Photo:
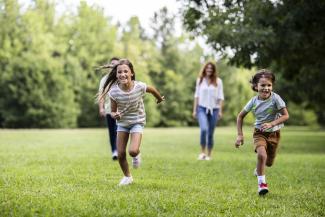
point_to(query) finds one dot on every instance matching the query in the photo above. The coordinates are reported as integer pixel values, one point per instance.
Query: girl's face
(208, 70)
(264, 88)
(124, 74)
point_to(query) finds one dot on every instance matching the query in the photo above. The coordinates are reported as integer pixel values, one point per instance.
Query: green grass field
(70, 173)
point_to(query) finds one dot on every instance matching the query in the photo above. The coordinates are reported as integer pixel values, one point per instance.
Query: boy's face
(264, 88)
(124, 74)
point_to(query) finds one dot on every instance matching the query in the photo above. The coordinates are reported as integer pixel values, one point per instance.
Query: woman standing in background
(207, 108)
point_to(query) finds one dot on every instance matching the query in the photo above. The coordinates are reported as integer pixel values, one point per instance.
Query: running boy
(270, 112)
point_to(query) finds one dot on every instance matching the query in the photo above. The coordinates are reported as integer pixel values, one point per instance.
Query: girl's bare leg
(134, 148)
(122, 141)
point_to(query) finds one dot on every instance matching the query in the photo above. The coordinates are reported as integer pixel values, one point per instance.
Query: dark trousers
(111, 125)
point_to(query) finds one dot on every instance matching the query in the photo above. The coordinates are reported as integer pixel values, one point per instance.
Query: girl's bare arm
(114, 113)
(155, 93)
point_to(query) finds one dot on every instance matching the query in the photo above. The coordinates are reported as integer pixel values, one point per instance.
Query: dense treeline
(48, 75)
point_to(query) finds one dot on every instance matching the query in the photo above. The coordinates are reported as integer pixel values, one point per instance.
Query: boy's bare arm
(240, 135)
(283, 118)
(155, 93)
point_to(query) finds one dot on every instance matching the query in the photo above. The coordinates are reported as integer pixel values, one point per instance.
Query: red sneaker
(263, 189)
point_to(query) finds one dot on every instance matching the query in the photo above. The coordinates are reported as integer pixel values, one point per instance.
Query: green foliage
(179, 66)
(37, 95)
(70, 173)
(138, 50)
(237, 91)
(48, 61)
(300, 115)
(286, 36)
(34, 90)
(89, 42)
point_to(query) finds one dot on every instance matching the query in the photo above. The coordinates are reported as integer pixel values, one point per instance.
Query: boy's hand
(161, 99)
(239, 141)
(266, 126)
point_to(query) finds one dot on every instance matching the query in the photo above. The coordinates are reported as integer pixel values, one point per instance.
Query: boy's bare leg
(261, 160)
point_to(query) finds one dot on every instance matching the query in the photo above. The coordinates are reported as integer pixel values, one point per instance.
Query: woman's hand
(194, 114)
(102, 112)
(220, 114)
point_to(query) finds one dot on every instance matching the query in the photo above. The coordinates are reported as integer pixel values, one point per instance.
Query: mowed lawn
(69, 172)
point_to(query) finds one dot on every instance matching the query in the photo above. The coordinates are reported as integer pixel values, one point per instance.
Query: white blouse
(209, 96)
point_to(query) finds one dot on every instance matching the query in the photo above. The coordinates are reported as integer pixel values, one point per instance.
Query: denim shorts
(135, 128)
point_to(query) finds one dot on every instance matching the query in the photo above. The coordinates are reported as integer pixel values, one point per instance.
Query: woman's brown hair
(213, 77)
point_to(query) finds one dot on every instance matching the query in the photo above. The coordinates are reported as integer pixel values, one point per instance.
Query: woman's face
(124, 74)
(208, 70)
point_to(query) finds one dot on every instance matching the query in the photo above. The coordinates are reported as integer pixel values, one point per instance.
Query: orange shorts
(269, 140)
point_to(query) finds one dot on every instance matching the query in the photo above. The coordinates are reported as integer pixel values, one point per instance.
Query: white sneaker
(114, 155)
(126, 180)
(255, 172)
(207, 158)
(201, 156)
(136, 161)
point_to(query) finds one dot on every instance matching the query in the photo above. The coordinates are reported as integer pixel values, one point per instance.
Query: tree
(286, 36)
(89, 41)
(136, 47)
(34, 91)
(178, 63)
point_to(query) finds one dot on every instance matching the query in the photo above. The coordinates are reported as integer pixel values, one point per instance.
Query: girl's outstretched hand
(161, 99)
(239, 141)
(116, 115)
